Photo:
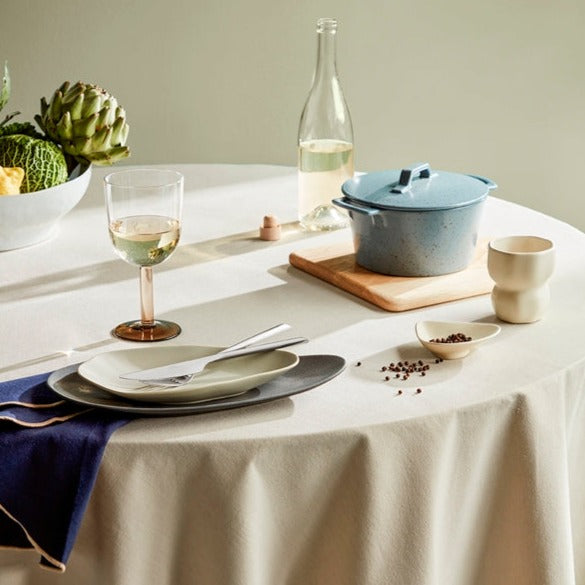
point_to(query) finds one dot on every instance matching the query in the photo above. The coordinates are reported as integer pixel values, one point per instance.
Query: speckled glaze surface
(428, 227)
(416, 243)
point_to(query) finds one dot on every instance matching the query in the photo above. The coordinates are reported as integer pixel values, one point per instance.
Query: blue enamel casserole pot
(415, 221)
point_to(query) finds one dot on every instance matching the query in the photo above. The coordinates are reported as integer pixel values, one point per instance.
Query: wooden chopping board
(336, 265)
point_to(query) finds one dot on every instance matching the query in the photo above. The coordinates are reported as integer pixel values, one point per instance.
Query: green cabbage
(43, 162)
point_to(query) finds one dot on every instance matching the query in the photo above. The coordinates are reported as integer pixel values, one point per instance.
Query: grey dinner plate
(311, 371)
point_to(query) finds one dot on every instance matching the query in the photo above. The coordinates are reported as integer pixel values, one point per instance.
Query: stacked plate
(223, 384)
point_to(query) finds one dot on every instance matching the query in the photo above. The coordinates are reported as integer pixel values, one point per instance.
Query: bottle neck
(325, 114)
(326, 34)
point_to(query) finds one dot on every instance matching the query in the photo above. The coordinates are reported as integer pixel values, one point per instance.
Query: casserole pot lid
(417, 188)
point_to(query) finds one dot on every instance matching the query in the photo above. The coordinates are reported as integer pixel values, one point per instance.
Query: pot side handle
(490, 184)
(343, 202)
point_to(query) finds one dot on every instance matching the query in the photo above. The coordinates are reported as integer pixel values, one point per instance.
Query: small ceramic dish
(426, 331)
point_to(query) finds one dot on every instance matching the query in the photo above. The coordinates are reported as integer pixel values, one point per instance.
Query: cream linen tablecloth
(478, 480)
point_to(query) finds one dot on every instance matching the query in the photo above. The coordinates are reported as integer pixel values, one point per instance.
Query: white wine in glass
(144, 220)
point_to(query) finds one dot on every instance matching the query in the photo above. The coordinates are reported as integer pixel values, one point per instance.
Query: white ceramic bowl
(30, 218)
(479, 332)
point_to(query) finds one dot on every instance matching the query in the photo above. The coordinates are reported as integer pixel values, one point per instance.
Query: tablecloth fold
(47, 470)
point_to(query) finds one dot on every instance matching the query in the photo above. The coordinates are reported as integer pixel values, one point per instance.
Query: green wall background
(494, 88)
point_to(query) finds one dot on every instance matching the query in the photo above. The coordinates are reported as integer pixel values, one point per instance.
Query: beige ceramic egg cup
(521, 267)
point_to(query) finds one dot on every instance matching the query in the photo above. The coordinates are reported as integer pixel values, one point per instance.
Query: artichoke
(4, 97)
(14, 127)
(87, 122)
(5, 88)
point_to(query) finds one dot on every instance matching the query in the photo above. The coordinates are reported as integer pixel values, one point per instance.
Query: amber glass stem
(146, 296)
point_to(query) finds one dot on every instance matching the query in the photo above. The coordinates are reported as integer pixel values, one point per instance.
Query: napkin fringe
(44, 423)
(54, 563)
(31, 404)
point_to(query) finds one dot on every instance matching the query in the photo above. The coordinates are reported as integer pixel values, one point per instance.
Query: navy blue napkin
(50, 452)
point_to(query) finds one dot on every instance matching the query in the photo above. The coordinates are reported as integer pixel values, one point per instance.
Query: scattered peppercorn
(359, 364)
(404, 369)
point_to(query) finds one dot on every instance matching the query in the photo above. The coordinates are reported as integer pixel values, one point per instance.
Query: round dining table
(468, 475)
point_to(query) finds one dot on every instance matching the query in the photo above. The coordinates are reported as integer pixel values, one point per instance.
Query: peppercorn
(452, 338)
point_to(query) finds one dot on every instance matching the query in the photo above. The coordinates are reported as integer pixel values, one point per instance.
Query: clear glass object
(325, 140)
(144, 221)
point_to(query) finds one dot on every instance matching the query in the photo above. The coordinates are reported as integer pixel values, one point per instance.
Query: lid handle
(422, 170)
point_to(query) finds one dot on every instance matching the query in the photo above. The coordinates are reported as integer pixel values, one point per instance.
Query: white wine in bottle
(325, 140)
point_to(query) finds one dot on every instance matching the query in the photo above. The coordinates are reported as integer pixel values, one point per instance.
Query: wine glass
(144, 221)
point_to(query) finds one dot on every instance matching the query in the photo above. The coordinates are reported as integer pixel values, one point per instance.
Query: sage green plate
(218, 379)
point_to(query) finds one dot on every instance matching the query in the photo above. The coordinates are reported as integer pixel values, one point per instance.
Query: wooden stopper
(270, 229)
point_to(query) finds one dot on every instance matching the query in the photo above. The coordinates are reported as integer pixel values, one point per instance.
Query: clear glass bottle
(325, 140)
